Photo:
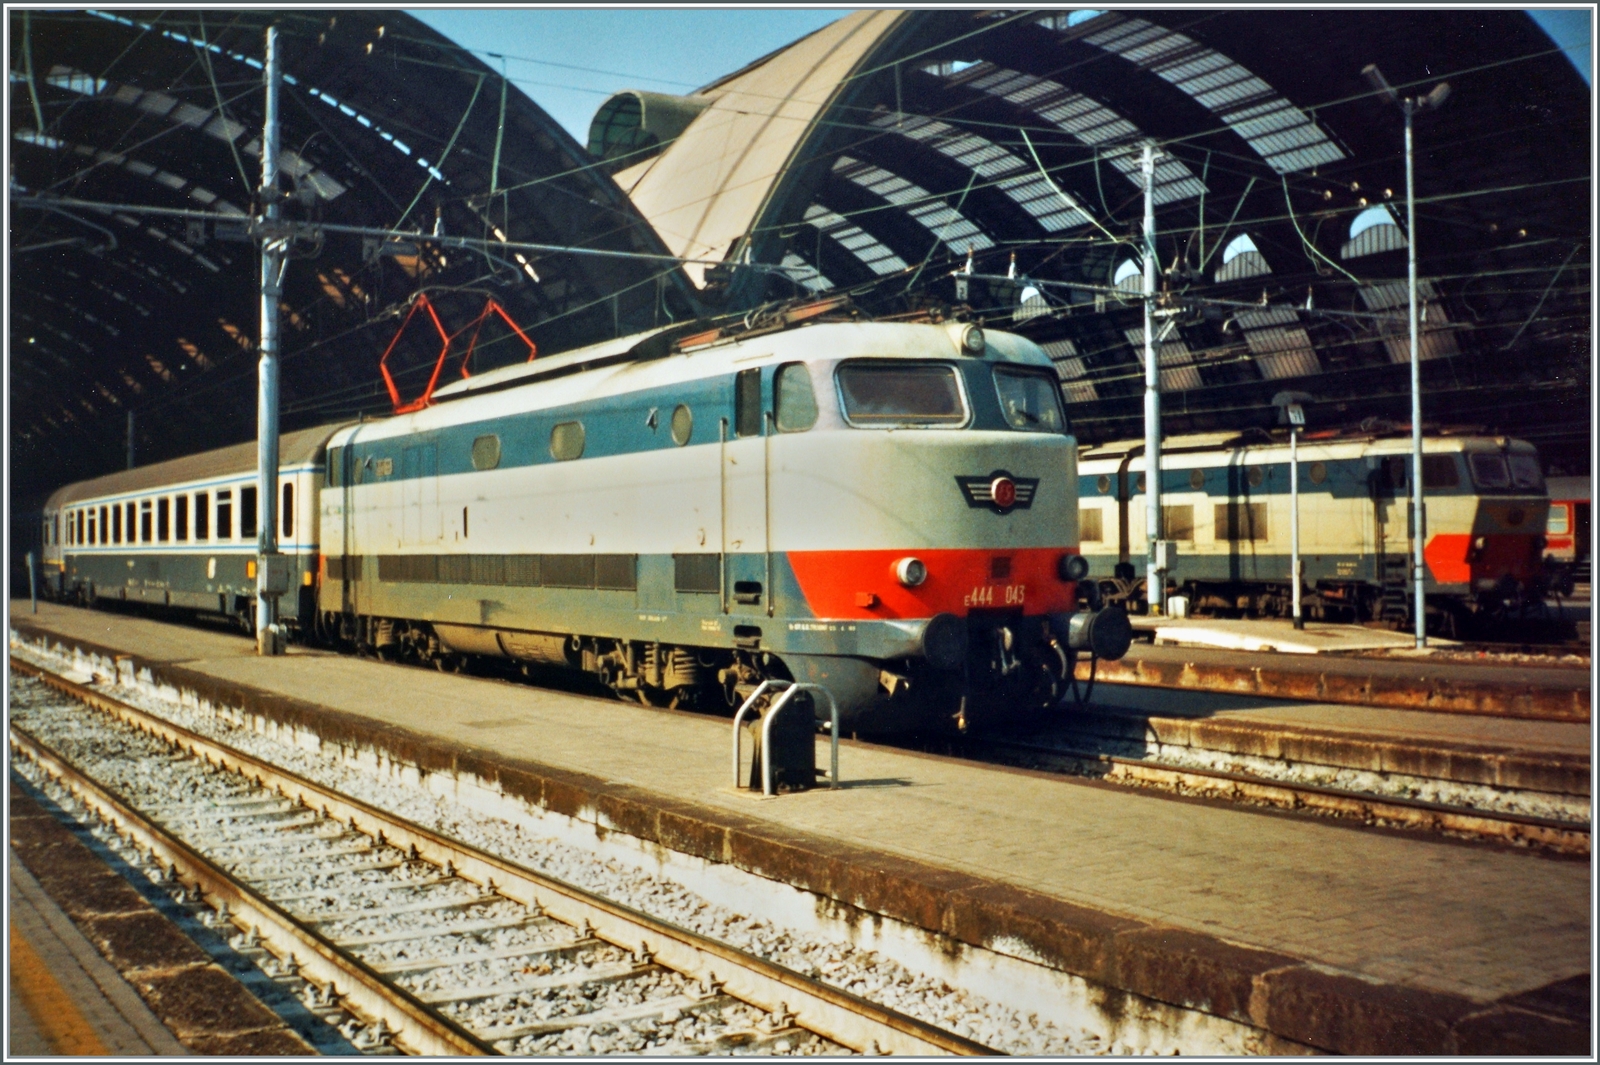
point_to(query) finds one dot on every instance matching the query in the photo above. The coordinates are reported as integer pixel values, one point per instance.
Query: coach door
(419, 494)
(747, 573)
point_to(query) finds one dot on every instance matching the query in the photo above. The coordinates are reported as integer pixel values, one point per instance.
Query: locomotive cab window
(1525, 472)
(1489, 470)
(796, 399)
(1031, 402)
(891, 394)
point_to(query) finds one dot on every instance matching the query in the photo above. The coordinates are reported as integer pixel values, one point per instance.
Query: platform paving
(1269, 634)
(1323, 934)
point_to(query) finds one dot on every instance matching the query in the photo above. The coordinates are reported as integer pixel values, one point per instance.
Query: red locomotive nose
(1003, 490)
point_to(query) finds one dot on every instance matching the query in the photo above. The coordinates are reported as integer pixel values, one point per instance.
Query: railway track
(1550, 834)
(410, 941)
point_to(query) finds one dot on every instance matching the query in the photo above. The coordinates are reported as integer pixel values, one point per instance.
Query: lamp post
(1413, 106)
(1291, 409)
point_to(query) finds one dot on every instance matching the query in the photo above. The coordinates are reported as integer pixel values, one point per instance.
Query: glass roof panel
(934, 214)
(863, 245)
(1018, 179)
(1249, 106)
(1090, 123)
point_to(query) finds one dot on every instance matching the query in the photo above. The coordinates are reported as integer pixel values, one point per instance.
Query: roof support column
(1156, 562)
(270, 574)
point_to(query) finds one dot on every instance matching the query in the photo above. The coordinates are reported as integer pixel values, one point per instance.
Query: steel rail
(418, 1027)
(1567, 837)
(828, 1011)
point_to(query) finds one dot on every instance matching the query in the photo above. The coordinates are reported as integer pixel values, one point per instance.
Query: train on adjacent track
(1225, 506)
(886, 508)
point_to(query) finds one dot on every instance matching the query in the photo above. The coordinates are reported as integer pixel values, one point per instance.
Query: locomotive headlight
(910, 572)
(1074, 567)
(968, 338)
(1477, 543)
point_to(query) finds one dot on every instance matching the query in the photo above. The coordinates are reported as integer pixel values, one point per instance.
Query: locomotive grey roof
(876, 153)
(304, 445)
(385, 123)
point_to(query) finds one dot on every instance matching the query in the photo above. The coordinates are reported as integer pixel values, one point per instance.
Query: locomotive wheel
(449, 663)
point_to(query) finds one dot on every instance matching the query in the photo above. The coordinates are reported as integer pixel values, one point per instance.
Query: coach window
(796, 399)
(202, 516)
(225, 514)
(94, 531)
(128, 511)
(288, 510)
(247, 512)
(116, 524)
(180, 518)
(1440, 471)
(78, 539)
(146, 523)
(164, 519)
(1558, 524)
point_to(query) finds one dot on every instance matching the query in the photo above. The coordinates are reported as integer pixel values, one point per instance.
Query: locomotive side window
(891, 394)
(1241, 521)
(1030, 401)
(225, 514)
(566, 441)
(180, 518)
(247, 511)
(1319, 472)
(287, 510)
(1489, 470)
(747, 403)
(164, 519)
(146, 525)
(796, 399)
(202, 516)
(1525, 472)
(1440, 471)
(1197, 479)
(486, 452)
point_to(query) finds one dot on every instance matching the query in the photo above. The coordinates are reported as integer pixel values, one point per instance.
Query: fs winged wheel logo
(999, 491)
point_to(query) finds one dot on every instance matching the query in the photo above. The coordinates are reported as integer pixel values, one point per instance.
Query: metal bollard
(33, 584)
(788, 689)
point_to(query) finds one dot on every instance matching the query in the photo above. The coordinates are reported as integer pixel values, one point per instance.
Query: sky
(568, 61)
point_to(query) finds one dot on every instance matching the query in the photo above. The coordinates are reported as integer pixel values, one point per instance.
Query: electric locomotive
(887, 509)
(1225, 505)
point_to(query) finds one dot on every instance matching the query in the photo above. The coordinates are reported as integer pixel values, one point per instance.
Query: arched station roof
(385, 124)
(878, 153)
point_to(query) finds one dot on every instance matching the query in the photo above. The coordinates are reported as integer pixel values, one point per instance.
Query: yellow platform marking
(60, 1021)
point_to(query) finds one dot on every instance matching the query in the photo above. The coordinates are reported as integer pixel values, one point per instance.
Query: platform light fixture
(1413, 106)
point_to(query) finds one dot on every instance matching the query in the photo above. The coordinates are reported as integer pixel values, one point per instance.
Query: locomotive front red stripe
(862, 584)
(1452, 559)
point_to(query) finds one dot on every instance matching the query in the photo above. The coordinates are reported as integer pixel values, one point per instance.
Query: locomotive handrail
(789, 689)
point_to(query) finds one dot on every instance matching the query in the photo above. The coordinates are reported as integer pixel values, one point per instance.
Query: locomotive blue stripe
(615, 425)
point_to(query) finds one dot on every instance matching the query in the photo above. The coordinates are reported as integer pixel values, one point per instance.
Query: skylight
(1090, 123)
(863, 245)
(1072, 370)
(1019, 180)
(935, 215)
(1282, 134)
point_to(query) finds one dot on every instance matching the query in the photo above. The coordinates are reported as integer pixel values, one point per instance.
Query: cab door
(746, 548)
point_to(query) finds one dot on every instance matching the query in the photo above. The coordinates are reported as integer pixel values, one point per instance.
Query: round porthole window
(1255, 476)
(1319, 472)
(1140, 487)
(1104, 484)
(486, 452)
(1197, 479)
(682, 424)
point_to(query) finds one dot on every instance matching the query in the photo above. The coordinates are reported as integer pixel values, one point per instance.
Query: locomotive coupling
(1104, 633)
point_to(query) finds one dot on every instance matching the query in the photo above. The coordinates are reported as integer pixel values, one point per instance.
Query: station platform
(1269, 634)
(1317, 934)
(98, 970)
(1402, 679)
